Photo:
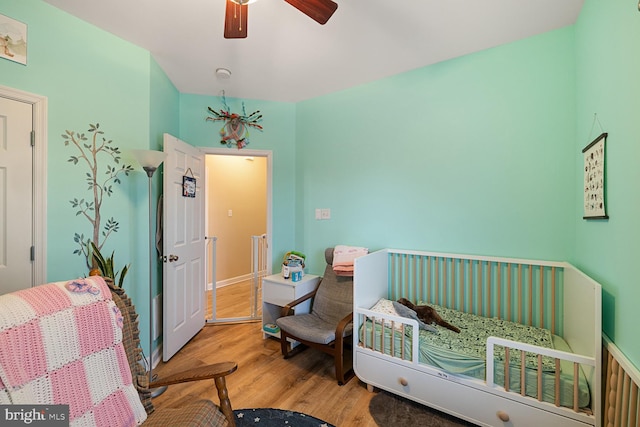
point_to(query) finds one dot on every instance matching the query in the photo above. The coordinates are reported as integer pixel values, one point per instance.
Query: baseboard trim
(230, 281)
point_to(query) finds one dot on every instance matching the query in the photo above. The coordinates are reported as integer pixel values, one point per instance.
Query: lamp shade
(149, 158)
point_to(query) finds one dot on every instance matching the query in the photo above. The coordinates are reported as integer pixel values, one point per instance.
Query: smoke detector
(223, 73)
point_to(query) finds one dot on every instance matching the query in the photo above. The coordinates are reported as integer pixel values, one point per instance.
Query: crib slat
(392, 275)
(416, 278)
(530, 295)
(421, 281)
(373, 330)
(479, 289)
(499, 286)
(461, 295)
(405, 281)
(506, 368)
(576, 383)
(553, 300)
(541, 321)
(436, 295)
(382, 336)
(429, 279)
(509, 291)
(556, 392)
(540, 377)
(454, 284)
(519, 293)
(393, 336)
(402, 342)
(445, 281)
(523, 376)
(489, 305)
(470, 287)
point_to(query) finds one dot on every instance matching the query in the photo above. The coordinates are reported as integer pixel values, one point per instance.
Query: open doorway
(237, 218)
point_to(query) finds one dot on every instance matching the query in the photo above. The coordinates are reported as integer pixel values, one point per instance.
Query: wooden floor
(305, 383)
(234, 301)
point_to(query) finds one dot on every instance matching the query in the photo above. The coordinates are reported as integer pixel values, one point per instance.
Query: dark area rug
(276, 418)
(390, 410)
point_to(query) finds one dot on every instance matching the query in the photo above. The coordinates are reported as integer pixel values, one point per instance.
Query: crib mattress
(451, 352)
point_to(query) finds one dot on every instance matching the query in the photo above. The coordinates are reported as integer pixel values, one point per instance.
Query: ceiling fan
(235, 22)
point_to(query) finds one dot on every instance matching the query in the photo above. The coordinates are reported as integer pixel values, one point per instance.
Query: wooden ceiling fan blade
(318, 10)
(235, 20)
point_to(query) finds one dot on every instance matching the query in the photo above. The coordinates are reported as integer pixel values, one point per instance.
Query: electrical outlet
(325, 214)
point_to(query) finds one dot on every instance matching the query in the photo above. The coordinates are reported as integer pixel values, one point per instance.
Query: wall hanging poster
(13, 40)
(188, 184)
(594, 200)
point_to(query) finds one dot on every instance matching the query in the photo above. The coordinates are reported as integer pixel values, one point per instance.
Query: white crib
(550, 295)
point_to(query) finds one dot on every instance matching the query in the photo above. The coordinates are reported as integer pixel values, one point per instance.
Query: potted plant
(106, 266)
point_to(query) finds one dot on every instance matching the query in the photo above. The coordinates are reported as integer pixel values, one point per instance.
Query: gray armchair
(329, 325)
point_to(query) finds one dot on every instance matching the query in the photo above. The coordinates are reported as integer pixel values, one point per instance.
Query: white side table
(278, 292)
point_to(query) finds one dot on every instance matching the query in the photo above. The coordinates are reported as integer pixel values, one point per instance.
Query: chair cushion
(334, 299)
(310, 327)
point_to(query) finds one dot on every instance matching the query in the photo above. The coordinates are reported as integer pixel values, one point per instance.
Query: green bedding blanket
(474, 331)
(465, 353)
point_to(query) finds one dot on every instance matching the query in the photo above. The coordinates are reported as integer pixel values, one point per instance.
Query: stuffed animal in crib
(428, 314)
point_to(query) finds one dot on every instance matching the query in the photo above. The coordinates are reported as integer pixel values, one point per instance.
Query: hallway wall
(236, 210)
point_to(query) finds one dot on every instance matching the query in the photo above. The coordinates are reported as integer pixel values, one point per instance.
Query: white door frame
(39, 104)
(252, 153)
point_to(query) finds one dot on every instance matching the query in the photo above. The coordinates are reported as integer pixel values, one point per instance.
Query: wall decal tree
(92, 148)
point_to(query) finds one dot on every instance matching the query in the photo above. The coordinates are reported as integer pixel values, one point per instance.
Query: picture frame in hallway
(594, 179)
(13, 40)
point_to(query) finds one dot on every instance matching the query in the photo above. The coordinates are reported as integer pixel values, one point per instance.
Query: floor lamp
(150, 160)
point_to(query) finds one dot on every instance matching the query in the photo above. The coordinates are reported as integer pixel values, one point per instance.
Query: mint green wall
(278, 136)
(608, 84)
(472, 155)
(90, 76)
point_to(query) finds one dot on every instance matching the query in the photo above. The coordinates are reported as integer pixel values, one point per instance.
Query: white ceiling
(289, 57)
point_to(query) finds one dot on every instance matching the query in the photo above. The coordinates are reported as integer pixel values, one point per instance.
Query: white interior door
(16, 195)
(183, 247)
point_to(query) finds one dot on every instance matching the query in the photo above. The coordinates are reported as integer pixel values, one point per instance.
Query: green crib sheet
(465, 353)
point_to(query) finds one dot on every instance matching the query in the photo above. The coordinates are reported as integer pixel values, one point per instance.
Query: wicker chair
(199, 413)
(60, 342)
(329, 325)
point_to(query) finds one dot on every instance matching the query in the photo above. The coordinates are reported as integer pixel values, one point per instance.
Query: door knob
(173, 258)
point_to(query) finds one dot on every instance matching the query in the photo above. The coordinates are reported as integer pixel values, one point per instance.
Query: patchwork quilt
(61, 343)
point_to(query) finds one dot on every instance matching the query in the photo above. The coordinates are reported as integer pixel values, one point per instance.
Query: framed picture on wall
(13, 40)
(594, 179)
